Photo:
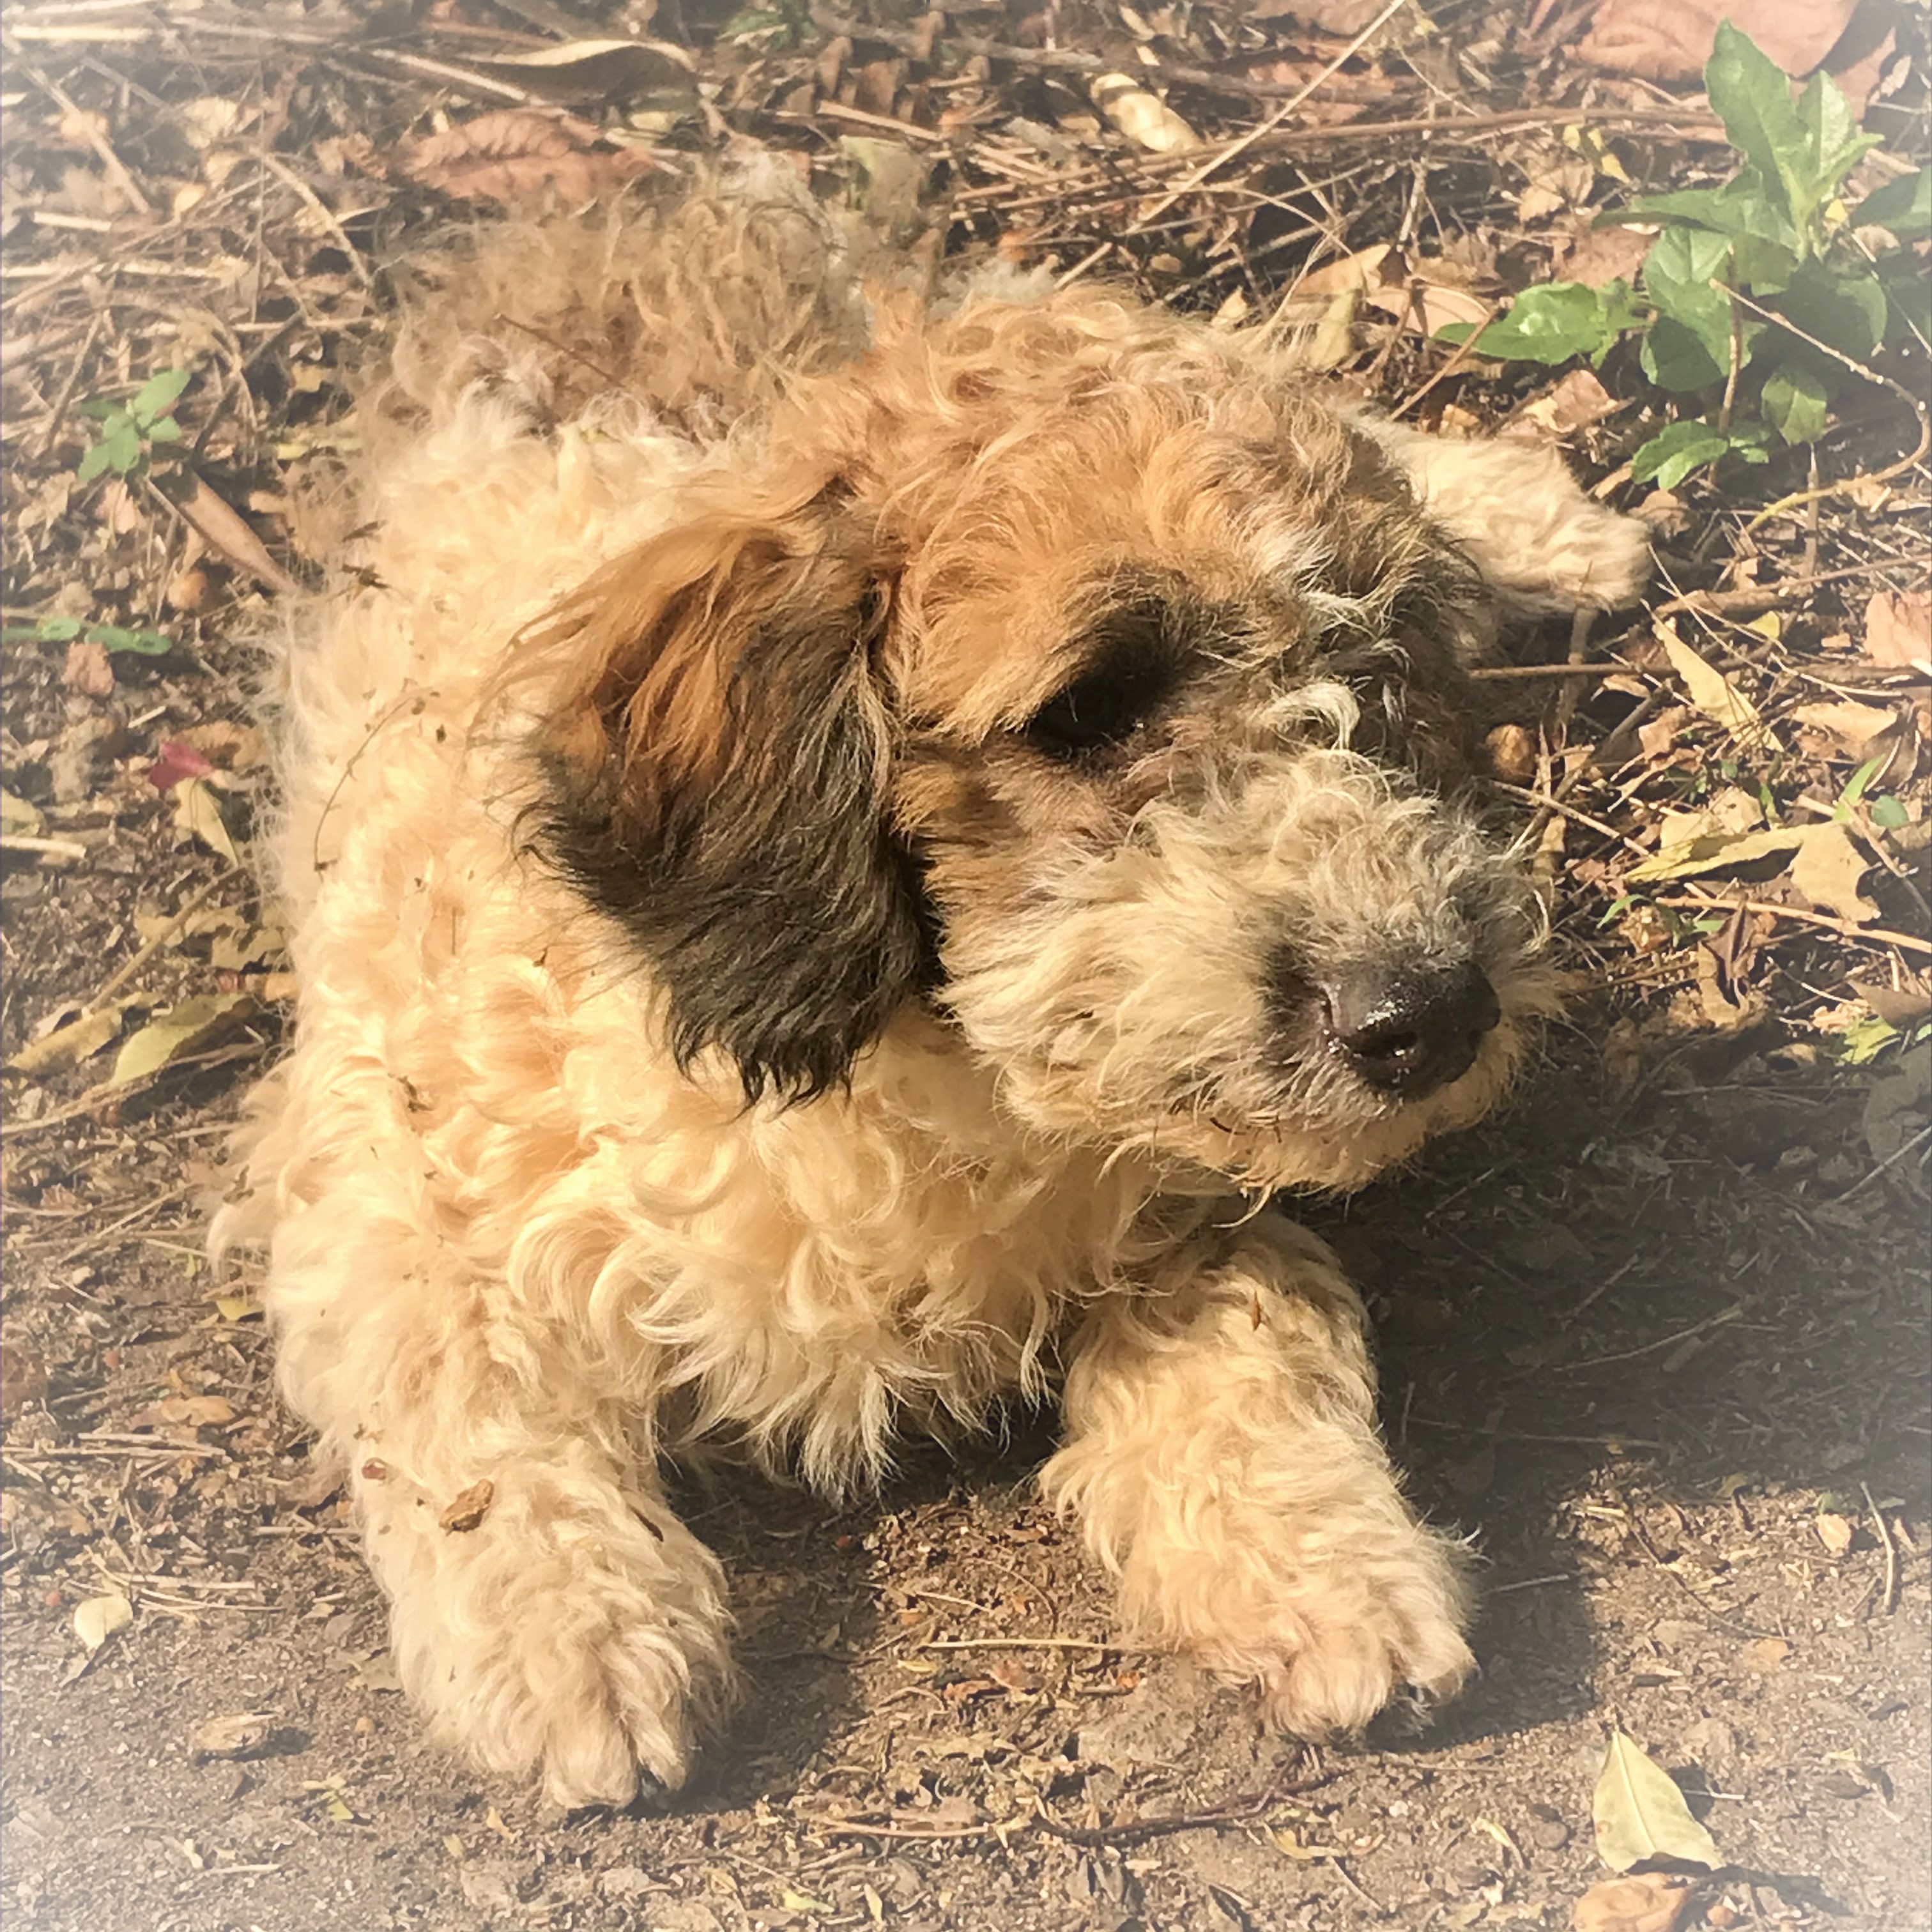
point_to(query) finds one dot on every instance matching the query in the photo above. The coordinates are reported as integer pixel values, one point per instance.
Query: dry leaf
(1835, 1532)
(178, 760)
(220, 525)
(17, 814)
(88, 669)
(185, 1412)
(1712, 692)
(469, 1508)
(69, 1045)
(1650, 1902)
(1360, 271)
(198, 815)
(95, 1621)
(1764, 1655)
(1639, 1812)
(600, 71)
(1671, 39)
(1898, 630)
(1828, 869)
(1575, 402)
(1144, 117)
(240, 1736)
(174, 1035)
(1718, 851)
(511, 156)
(1850, 726)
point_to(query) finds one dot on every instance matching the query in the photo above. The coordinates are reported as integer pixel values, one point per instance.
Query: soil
(1657, 1339)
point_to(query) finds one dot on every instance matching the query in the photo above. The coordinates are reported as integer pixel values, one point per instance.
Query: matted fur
(745, 992)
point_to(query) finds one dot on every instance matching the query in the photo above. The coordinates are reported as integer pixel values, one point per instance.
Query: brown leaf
(88, 669)
(511, 156)
(221, 526)
(1898, 630)
(1144, 117)
(185, 1412)
(469, 1508)
(1828, 869)
(1765, 1655)
(1835, 1531)
(1575, 402)
(1850, 726)
(1671, 39)
(1649, 1902)
(243, 1735)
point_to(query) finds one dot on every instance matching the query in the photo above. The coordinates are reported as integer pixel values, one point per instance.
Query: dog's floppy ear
(716, 774)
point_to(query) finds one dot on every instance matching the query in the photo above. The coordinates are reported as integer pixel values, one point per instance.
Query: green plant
(128, 428)
(1766, 292)
(109, 637)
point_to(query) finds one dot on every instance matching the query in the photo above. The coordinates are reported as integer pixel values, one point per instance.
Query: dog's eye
(1106, 704)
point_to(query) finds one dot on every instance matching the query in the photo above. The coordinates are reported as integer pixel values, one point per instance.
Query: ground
(1656, 1339)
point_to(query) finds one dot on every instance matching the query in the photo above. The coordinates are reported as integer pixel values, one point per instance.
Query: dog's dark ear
(715, 771)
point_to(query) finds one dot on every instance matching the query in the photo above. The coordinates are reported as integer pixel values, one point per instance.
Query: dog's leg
(1222, 1456)
(548, 1610)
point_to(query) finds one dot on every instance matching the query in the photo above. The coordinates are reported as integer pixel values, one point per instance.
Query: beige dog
(832, 880)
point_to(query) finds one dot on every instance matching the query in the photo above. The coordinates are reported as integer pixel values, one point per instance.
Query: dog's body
(820, 927)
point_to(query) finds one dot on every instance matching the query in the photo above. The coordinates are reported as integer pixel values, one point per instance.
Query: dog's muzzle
(1408, 1030)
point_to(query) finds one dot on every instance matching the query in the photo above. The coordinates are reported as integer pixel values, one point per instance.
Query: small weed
(71, 630)
(1762, 297)
(128, 430)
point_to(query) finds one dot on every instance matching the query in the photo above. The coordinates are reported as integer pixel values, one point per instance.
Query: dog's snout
(1408, 1031)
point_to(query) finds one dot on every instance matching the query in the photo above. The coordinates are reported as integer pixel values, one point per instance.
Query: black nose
(1409, 1031)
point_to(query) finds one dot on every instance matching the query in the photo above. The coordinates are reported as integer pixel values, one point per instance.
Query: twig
(50, 433)
(1875, 935)
(1463, 351)
(1912, 1146)
(187, 908)
(1786, 504)
(1889, 1601)
(1019, 1643)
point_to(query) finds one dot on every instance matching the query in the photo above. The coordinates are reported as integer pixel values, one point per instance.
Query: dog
(842, 849)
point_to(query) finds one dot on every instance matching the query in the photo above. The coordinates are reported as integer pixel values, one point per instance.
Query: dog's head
(1068, 668)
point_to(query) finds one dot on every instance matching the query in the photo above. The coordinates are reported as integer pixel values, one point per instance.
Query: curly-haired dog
(830, 881)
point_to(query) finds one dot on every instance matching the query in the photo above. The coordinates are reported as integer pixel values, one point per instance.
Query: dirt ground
(1657, 1338)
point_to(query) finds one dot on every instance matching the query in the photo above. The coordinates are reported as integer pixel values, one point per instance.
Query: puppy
(833, 879)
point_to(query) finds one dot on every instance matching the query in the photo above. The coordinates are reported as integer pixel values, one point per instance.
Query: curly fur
(744, 992)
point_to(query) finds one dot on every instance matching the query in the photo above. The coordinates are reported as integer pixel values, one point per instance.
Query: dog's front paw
(592, 1652)
(1335, 1673)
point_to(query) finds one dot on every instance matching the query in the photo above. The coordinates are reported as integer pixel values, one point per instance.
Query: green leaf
(1833, 144)
(1904, 206)
(93, 462)
(1639, 1812)
(1888, 813)
(1761, 267)
(1750, 93)
(101, 408)
(1678, 274)
(164, 429)
(58, 630)
(1671, 454)
(157, 394)
(143, 644)
(1794, 403)
(122, 444)
(1551, 323)
(1741, 207)
(1847, 310)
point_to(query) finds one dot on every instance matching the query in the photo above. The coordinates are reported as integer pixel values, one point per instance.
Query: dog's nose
(1408, 1032)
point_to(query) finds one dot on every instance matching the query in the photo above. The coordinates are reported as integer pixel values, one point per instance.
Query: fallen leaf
(178, 760)
(95, 1621)
(469, 1508)
(1650, 1902)
(240, 1736)
(599, 71)
(1711, 691)
(1850, 726)
(198, 815)
(88, 669)
(23, 1379)
(1639, 1812)
(16, 814)
(232, 747)
(1144, 117)
(1671, 39)
(1764, 1655)
(378, 1672)
(1894, 1109)
(1827, 870)
(1360, 271)
(185, 1412)
(1898, 630)
(1719, 851)
(1835, 1532)
(176, 1034)
(1575, 402)
(67, 1046)
(1900, 1006)
(223, 527)
(1344, 19)
(511, 156)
